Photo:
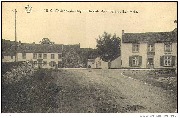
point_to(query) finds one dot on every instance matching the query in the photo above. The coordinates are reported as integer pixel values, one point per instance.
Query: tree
(46, 41)
(71, 59)
(108, 47)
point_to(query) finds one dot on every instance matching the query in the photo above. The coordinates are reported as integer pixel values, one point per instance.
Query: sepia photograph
(89, 57)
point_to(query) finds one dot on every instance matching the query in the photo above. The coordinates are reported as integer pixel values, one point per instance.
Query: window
(135, 61)
(44, 63)
(11, 57)
(59, 56)
(2, 56)
(52, 56)
(168, 47)
(52, 63)
(34, 55)
(24, 55)
(59, 64)
(39, 56)
(135, 48)
(151, 48)
(44, 56)
(167, 61)
(35, 63)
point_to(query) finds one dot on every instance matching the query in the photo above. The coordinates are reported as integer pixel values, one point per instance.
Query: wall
(126, 51)
(116, 63)
(8, 59)
(104, 65)
(29, 57)
(159, 51)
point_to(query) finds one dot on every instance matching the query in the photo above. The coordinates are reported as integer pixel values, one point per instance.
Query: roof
(69, 47)
(154, 37)
(8, 48)
(40, 48)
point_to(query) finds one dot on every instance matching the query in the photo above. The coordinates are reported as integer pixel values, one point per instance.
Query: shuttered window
(135, 61)
(167, 61)
(52, 63)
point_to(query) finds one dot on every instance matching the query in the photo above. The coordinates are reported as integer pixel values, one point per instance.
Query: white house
(149, 50)
(42, 55)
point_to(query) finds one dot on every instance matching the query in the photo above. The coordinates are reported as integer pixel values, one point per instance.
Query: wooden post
(15, 39)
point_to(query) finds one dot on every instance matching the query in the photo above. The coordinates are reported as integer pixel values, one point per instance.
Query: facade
(116, 63)
(99, 63)
(149, 50)
(42, 55)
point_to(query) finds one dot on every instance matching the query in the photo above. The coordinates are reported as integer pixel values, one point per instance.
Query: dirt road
(130, 95)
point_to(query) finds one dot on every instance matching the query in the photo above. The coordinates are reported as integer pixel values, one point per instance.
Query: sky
(85, 27)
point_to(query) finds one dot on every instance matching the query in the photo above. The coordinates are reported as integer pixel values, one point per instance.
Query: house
(149, 50)
(97, 63)
(45, 55)
(42, 55)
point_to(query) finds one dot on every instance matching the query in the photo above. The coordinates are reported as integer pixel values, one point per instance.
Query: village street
(125, 93)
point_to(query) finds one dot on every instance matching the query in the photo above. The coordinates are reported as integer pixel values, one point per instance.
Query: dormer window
(135, 47)
(168, 47)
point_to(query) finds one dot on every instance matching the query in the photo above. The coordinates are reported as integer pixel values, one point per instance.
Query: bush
(16, 71)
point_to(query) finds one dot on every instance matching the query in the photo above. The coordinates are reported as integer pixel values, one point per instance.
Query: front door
(150, 62)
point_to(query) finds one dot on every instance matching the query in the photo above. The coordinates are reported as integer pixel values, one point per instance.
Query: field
(85, 90)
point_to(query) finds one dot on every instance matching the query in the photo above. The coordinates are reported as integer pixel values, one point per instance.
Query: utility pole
(15, 39)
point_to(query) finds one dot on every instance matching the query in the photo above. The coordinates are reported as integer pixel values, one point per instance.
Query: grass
(166, 80)
(32, 94)
(61, 91)
(56, 91)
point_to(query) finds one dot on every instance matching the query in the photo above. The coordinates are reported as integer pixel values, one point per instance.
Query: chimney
(122, 32)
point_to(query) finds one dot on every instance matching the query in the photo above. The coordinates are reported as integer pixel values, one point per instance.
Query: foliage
(46, 41)
(85, 54)
(36, 93)
(71, 59)
(108, 47)
(17, 72)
